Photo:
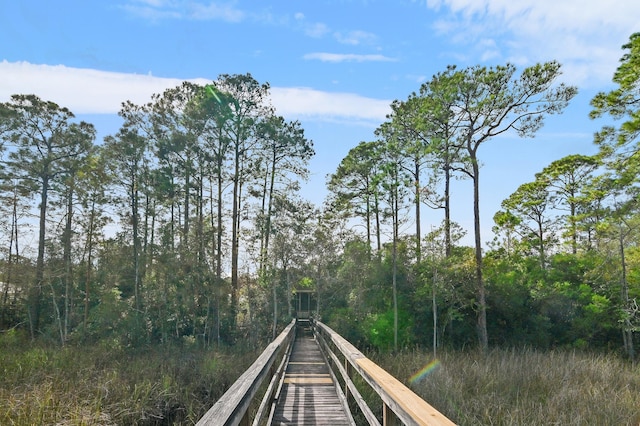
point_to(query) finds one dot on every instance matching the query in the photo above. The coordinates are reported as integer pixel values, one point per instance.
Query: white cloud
(83, 91)
(302, 102)
(88, 91)
(584, 35)
(180, 9)
(213, 11)
(316, 30)
(355, 38)
(154, 3)
(311, 29)
(151, 13)
(348, 57)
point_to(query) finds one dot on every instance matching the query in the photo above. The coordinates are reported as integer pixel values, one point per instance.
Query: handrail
(400, 404)
(233, 407)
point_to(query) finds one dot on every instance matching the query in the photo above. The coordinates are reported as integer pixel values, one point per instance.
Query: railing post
(349, 370)
(389, 418)
(245, 420)
(400, 404)
(235, 407)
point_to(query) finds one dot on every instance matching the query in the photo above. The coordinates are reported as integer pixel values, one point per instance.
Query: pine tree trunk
(35, 292)
(483, 337)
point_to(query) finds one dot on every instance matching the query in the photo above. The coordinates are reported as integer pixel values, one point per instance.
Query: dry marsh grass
(98, 386)
(176, 385)
(525, 386)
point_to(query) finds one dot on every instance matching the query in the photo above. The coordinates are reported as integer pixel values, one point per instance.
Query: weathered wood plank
(409, 407)
(308, 395)
(353, 392)
(403, 399)
(230, 409)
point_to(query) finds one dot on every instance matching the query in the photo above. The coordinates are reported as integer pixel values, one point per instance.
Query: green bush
(379, 329)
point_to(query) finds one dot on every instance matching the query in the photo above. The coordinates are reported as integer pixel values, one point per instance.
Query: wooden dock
(304, 371)
(308, 395)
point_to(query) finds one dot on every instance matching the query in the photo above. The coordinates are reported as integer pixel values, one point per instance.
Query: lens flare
(425, 371)
(211, 91)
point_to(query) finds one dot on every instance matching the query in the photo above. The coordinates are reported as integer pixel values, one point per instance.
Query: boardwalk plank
(308, 395)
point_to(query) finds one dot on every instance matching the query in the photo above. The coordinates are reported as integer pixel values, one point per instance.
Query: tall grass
(109, 385)
(112, 386)
(524, 386)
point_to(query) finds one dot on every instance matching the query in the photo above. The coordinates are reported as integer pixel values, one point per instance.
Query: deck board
(308, 395)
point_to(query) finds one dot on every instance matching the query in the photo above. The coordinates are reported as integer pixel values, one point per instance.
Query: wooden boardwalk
(309, 395)
(300, 387)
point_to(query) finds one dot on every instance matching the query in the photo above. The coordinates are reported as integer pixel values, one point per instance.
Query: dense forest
(188, 225)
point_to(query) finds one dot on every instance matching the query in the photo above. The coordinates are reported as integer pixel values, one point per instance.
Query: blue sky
(334, 65)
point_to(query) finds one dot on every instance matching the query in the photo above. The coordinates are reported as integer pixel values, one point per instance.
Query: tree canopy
(188, 225)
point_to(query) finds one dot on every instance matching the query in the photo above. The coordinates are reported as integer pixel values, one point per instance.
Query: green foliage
(558, 306)
(378, 329)
(305, 282)
(349, 325)
(213, 237)
(514, 319)
(454, 281)
(355, 189)
(622, 101)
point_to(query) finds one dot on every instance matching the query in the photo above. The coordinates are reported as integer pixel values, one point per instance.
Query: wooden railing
(400, 405)
(233, 408)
